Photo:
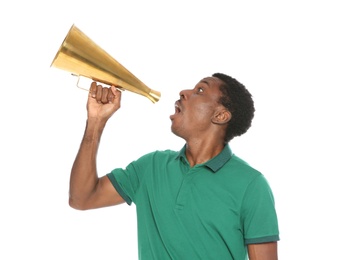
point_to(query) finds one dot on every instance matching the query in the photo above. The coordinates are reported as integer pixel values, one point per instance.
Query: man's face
(195, 109)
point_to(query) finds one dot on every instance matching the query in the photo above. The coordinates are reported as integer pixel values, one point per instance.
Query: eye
(200, 90)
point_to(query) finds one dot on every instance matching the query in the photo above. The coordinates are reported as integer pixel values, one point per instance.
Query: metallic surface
(79, 55)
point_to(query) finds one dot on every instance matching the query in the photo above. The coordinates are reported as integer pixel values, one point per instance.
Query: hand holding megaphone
(103, 102)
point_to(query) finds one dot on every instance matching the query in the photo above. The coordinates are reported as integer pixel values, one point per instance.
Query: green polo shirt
(209, 211)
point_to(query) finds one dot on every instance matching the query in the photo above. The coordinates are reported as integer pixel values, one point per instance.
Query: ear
(221, 117)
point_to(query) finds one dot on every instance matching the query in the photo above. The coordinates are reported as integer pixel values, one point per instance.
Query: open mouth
(177, 107)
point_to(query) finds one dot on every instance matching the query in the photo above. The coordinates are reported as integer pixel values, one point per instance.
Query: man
(202, 202)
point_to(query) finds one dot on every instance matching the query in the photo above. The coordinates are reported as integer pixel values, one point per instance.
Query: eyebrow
(205, 81)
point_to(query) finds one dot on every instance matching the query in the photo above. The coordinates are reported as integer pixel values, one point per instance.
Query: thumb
(115, 94)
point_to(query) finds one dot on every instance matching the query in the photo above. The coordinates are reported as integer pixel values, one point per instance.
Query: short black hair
(238, 100)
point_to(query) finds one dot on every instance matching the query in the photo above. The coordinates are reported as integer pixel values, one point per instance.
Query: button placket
(185, 188)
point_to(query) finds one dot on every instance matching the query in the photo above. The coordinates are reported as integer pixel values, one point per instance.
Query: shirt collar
(216, 162)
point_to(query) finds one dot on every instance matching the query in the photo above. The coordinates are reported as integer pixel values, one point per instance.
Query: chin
(175, 132)
(173, 129)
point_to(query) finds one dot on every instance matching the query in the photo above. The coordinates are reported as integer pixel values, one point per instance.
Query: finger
(116, 93)
(99, 93)
(93, 89)
(105, 92)
(111, 96)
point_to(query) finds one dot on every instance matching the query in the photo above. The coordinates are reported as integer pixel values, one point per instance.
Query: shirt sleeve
(127, 181)
(259, 216)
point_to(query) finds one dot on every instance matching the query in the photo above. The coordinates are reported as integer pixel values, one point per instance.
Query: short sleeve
(259, 218)
(127, 181)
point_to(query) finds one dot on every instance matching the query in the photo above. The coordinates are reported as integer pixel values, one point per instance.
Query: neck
(200, 151)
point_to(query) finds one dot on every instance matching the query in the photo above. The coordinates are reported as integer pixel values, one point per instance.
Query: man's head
(238, 100)
(218, 107)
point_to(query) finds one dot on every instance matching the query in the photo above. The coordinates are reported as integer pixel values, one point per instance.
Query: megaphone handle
(78, 86)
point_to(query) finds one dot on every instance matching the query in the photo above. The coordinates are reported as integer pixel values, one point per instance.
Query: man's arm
(87, 190)
(264, 251)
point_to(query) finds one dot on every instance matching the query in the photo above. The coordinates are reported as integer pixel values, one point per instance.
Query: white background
(287, 53)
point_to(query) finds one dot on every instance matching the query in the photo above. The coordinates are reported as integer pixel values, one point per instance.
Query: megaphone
(81, 56)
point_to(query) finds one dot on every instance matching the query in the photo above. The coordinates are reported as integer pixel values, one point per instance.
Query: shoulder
(158, 155)
(243, 175)
(241, 167)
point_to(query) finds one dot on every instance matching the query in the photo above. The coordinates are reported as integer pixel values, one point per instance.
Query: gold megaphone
(79, 55)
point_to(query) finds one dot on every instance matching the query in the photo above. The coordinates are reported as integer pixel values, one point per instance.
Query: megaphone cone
(79, 55)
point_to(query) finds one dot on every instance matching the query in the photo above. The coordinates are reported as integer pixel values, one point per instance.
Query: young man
(202, 202)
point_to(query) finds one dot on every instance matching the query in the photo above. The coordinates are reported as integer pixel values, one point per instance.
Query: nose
(183, 94)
